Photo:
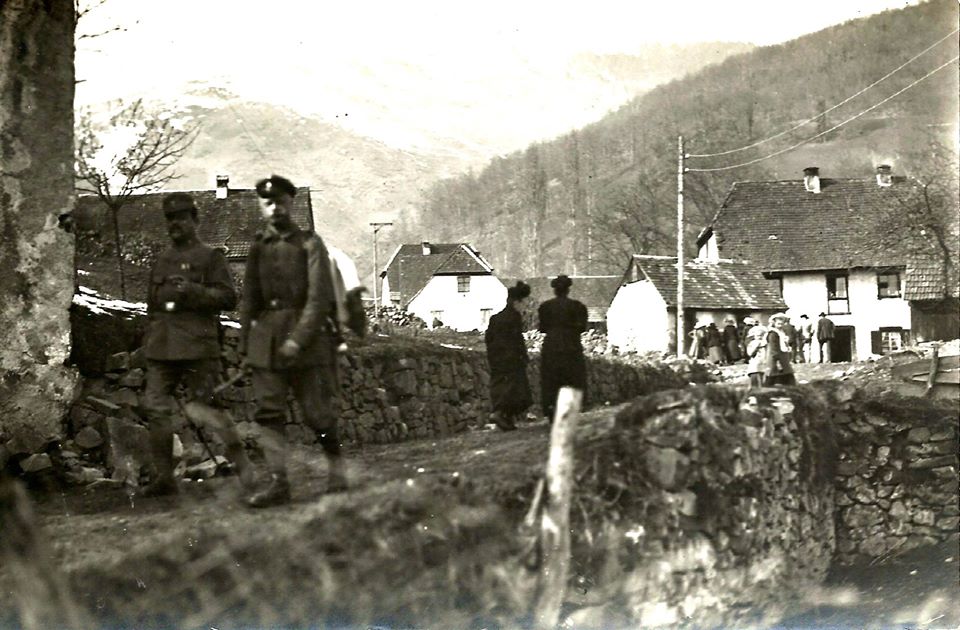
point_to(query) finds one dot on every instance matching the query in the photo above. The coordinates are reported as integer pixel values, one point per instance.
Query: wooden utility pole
(555, 522)
(376, 267)
(680, 323)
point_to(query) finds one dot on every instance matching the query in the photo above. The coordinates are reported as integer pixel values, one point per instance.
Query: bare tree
(133, 151)
(924, 219)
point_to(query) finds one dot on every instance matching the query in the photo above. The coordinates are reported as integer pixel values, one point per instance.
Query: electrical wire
(823, 133)
(827, 111)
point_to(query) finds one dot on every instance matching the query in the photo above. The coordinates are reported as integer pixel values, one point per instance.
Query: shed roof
(723, 284)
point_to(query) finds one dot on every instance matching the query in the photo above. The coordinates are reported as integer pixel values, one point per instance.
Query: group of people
(562, 362)
(294, 306)
(729, 346)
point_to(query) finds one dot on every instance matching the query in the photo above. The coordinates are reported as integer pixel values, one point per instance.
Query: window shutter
(876, 342)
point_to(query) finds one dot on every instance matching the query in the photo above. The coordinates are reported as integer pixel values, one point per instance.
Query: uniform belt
(277, 304)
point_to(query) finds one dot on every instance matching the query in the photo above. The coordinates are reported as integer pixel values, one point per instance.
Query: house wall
(806, 293)
(709, 251)
(460, 311)
(637, 319)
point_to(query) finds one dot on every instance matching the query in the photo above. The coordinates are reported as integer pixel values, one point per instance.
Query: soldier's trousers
(199, 377)
(313, 390)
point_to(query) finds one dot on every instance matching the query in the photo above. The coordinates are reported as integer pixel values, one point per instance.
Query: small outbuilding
(643, 314)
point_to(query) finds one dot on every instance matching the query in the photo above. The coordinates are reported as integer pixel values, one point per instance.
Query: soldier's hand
(290, 349)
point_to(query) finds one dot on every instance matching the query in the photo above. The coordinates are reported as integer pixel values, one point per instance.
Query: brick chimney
(811, 179)
(222, 189)
(884, 176)
(426, 248)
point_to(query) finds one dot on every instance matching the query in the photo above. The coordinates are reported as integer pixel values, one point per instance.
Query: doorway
(842, 348)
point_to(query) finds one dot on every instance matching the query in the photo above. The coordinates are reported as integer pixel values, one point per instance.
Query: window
(887, 340)
(485, 314)
(463, 284)
(888, 285)
(838, 301)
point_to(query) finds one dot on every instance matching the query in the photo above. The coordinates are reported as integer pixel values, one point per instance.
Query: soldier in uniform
(189, 286)
(288, 337)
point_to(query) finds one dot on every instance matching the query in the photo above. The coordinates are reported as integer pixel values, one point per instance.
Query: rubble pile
(393, 318)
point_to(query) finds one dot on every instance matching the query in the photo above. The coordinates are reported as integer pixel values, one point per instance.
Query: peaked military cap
(178, 202)
(275, 185)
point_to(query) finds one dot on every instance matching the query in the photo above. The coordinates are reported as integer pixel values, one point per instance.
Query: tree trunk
(36, 187)
(118, 249)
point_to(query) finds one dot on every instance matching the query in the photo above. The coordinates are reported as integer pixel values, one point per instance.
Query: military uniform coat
(288, 293)
(184, 326)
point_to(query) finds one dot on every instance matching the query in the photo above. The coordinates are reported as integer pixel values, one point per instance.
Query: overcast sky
(310, 54)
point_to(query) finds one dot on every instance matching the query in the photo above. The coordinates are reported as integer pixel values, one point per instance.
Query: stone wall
(897, 475)
(36, 187)
(701, 501)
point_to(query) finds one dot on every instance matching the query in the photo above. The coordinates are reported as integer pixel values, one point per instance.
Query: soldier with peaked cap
(188, 288)
(288, 336)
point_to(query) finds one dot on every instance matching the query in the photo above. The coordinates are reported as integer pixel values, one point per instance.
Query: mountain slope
(582, 202)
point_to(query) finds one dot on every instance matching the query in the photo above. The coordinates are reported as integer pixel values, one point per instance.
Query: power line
(825, 112)
(823, 133)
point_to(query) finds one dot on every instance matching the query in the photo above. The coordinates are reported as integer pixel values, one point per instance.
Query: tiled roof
(392, 269)
(409, 270)
(781, 227)
(923, 281)
(723, 284)
(230, 222)
(595, 292)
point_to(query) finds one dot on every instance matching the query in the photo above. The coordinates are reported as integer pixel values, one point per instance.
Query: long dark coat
(507, 357)
(561, 360)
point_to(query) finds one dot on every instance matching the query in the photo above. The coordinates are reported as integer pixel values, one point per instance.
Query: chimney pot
(811, 179)
(884, 176)
(223, 182)
(426, 248)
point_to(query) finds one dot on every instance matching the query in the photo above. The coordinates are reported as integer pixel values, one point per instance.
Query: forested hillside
(582, 202)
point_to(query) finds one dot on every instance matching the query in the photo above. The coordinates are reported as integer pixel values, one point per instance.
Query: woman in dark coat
(778, 368)
(561, 360)
(507, 356)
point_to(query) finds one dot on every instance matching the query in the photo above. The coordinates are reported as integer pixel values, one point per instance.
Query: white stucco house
(449, 283)
(643, 314)
(813, 236)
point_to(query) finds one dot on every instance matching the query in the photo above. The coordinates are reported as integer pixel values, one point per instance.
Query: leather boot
(161, 447)
(277, 493)
(336, 475)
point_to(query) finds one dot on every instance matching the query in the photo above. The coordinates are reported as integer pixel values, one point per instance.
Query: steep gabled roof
(780, 226)
(596, 292)
(409, 269)
(231, 223)
(707, 284)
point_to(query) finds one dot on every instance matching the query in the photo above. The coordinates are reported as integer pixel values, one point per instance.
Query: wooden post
(555, 523)
(934, 368)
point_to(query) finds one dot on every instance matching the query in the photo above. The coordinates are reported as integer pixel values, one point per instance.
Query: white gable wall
(806, 293)
(460, 311)
(709, 251)
(637, 319)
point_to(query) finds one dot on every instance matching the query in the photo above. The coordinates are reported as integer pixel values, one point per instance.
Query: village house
(595, 292)
(449, 283)
(229, 218)
(815, 237)
(643, 314)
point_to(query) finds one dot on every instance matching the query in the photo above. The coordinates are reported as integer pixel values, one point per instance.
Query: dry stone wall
(897, 475)
(701, 501)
